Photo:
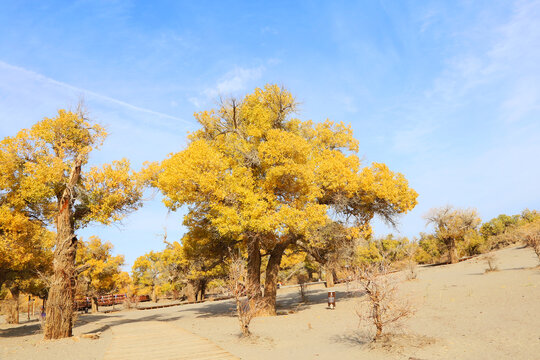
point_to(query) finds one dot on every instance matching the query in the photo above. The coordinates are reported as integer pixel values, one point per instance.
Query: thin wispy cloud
(446, 93)
(87, 93)
(233, 82)
(428, 19)
(502, 69)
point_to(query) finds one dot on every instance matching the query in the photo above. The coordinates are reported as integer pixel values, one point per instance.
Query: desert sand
(462, 312)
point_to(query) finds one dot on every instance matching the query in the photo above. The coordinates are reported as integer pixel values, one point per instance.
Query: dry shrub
(527, 232)
(10, 310)
(381, 306)
(508, 238)
(302, 291)
(246, 309)
(491, 263)
(410, 272)
(302, 288)
(130, 302)
(10, 307)
(532, 237)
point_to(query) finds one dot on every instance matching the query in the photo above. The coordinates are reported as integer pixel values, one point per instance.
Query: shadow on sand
(287, 303)
(108, 322)
(21, 330)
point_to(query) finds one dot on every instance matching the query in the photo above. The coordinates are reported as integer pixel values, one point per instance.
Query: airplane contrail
(43, 78)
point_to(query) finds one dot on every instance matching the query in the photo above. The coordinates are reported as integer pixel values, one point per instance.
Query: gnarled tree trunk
(95, 305)
(253, 268)
(270, 281)
(201, 289)
(454, 258)
(189, 292)
(59, 315)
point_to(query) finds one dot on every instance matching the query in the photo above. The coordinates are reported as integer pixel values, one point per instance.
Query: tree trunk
(310, 275)
(378, 321)
(270, 281)
(154, 294)
(454, 258)
(376, 316)
(253, 268)
(13, 317)
(61, 296)
(59, 318)
(95, 305)
(190, 292)
(201, 289)
(329, 277)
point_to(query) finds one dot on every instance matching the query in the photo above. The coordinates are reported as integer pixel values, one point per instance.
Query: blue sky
(447, 93)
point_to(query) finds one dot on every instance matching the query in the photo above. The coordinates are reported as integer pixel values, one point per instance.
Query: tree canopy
(267, 179)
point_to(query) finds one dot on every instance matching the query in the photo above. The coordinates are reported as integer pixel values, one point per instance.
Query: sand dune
(462, 313)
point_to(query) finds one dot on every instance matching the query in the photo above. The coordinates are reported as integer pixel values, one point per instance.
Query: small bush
(490, 261)
(429, 251)
(474, 244)
(410, 270)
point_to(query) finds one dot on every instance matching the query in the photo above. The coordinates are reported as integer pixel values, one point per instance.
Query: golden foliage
(35, 166)
(24, 244)
(256, 174)
(253, 168)
(102, 272)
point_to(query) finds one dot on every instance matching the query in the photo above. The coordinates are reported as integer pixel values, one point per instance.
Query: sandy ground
(462, 313)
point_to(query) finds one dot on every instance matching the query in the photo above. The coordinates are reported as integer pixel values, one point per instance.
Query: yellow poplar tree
(41, 176)
(147, 273)
(205, 252)
(99, 270)
(25, 255)
(261, 176)
(173, 269)
(451, 227)
(330, 245)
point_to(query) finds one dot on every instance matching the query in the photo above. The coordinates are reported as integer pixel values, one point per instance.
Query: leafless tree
(381, 306)
(246, 307)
